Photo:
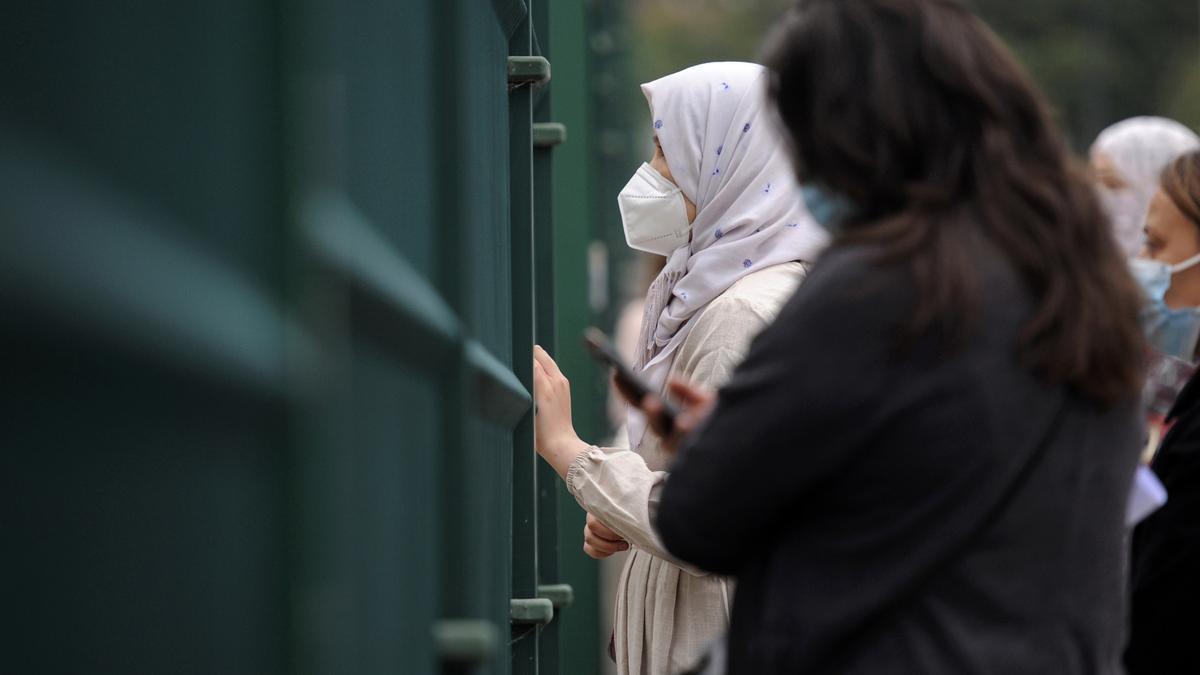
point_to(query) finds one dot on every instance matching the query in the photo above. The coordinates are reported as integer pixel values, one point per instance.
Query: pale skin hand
(599, 541)
(557, 443)
(554, 434)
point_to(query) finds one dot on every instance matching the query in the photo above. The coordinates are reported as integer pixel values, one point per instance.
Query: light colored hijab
(727, 156)
(1140, 148)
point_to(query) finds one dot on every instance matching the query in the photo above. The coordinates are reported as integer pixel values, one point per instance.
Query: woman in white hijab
(719, 200)
(1128, 158)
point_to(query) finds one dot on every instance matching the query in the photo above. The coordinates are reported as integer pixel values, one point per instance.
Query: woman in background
(720, 201)
(1166, 546)
(1127, 159)
(1168, 271)
(1169, 267)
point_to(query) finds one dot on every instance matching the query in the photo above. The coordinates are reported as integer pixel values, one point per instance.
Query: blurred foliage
(1099, 61)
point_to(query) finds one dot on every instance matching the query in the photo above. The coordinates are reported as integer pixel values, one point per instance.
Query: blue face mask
(1172, 331)
(830, 209)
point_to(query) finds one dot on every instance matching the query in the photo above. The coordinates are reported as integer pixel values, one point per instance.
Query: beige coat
(667, 612)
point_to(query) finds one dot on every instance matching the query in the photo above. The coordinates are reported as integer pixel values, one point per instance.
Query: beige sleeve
(615, 485)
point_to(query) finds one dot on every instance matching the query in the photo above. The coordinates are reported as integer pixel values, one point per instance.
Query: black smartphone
(599, 346)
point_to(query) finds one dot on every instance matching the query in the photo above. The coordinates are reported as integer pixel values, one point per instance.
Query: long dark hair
(1181, 182)
(915, 111)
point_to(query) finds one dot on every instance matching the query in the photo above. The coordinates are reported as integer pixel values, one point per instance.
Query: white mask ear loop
(1186, 264)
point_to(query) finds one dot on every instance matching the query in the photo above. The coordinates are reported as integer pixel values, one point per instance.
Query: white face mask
(653, 213)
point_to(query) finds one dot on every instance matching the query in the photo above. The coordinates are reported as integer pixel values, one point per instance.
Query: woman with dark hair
(923, 465)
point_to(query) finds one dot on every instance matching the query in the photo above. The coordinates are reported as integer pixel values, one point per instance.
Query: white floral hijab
(728, 157)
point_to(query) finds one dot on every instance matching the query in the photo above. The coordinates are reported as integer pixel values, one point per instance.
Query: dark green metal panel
(145, 462)
(174, 104)
(581, 642)
(138, 536)
(479, 245)
(271, 283)
(383, 389)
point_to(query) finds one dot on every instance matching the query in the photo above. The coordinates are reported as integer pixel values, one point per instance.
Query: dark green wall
(269, 277)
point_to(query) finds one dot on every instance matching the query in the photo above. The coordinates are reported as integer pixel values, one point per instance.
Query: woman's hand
(599, 541)
(554, 434)
(695, 405)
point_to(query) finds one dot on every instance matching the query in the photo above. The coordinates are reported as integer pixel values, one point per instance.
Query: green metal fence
(270, 274)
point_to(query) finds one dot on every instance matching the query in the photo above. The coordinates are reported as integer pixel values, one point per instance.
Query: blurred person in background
(923, 465)
(1127, 159)
(1169, 266)
(1165, 571)
(1168, 271)
(720, 201)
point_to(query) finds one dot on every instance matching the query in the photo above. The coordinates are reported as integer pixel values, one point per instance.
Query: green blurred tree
(1099, 61)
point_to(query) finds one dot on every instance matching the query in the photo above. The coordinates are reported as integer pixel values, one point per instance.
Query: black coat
(921, 510)
(1165, 571)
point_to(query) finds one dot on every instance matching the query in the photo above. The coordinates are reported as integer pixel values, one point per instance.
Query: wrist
(561, 452)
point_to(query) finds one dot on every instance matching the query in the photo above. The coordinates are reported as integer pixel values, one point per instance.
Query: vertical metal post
(524, 495)
(545, 334)
(322, 471)
(579, 633)
(449, 119)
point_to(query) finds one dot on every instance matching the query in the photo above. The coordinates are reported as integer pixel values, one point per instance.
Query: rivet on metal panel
(465, 640)
(559, 595)
(548, 134)
(531, 610)
(528, 70)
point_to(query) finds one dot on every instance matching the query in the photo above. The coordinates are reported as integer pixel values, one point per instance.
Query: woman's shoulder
(761, 293)
(733, 318)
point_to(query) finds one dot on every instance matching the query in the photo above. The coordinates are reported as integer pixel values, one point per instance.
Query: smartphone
(599, 346)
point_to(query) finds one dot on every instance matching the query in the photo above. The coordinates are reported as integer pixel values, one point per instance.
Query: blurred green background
(1099, 61)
